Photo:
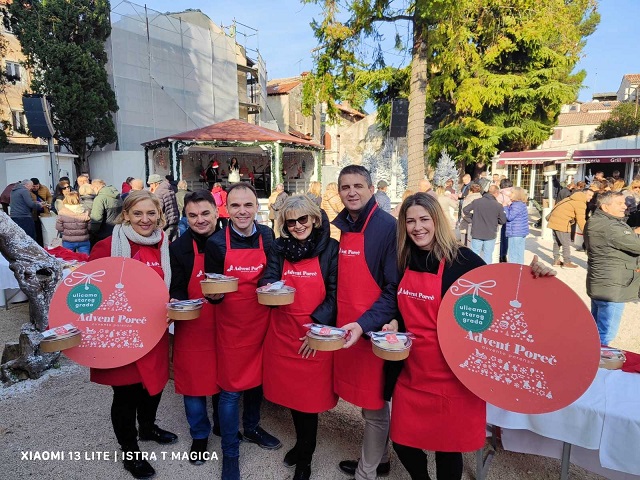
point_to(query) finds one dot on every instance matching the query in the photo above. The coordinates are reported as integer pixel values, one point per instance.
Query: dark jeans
(27, 224)
(306, 425)
(504, 242)
(562, 239)
(228, 410)
(130, 401)
(197, 416)
(448, 464)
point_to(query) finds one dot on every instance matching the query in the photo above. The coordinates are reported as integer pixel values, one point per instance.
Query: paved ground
(66, 414)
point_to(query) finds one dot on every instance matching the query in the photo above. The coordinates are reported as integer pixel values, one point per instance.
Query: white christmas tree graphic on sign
(511, 324)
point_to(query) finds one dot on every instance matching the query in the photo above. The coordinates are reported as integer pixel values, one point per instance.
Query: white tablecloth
(604, 422)
(7, 279)
(9, 287)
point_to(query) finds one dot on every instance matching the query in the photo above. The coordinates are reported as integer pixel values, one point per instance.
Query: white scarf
(120, 246)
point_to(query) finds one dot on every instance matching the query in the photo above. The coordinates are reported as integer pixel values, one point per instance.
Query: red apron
(431, 409)
(303, 384)
(241, 321)
(357, 372)
(194, 343)
(152, 370)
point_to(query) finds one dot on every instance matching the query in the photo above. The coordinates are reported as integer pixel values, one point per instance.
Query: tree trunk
(38, 274)
(417, 107)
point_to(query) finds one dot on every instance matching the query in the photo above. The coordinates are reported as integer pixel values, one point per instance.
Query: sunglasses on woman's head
(301, 220)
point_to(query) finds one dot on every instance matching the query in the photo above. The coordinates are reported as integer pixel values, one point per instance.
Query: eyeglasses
(301, 220)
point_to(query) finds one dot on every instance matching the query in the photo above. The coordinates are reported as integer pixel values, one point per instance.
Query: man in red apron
(367, 284)
(194, 354)
(241, 324)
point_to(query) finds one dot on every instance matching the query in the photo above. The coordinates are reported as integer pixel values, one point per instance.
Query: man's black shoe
(198, 449)
(158, 435)
(302, 473)
(349, 467)
(262, 439)
(139, 468)
(291, 458)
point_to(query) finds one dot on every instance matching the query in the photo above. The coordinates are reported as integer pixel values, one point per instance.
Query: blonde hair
(71, 198)
(315, 188)
(519, 194)
(331, 187)
(183, 185)
(618, 185)
(300, 205)
(444, 244)
(137, 196)
(85, 189)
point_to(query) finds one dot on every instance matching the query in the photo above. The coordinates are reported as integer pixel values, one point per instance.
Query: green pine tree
(64, 45)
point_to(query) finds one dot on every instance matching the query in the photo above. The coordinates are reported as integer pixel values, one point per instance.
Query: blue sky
(285, 39)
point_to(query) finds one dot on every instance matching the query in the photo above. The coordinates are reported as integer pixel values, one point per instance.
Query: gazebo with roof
(231, 138)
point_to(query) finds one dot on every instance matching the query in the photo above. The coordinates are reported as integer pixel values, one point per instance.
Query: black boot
(291, 458)
(230, 468)
(133, 462)
(156, 434)
(302, 472)
(198, 450)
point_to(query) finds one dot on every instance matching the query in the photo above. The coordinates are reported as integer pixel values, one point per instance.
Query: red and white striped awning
(607, 156)
(531, 157)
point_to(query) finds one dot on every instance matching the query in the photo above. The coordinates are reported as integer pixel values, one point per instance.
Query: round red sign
(120, 307)
(524, 344)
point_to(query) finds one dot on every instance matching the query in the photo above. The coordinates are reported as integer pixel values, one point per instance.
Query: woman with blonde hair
(137, 386)
(306, 257)
(517, 227)
(332, 205)
(428, 397)
(73, 223)
(315, 192)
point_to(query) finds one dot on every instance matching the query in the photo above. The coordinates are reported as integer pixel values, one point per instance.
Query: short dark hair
(244, 185)
(35, 181)
(506, 183)
(199, 196)
(356, 170)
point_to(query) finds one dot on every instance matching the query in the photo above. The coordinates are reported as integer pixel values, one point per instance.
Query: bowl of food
(392, 346)
(184, 309)
(276, 294)
(611, 358)
(324, 338)
(60, 338)
(216, 283)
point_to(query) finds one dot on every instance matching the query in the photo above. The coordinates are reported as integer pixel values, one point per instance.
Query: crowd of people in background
(424, 244)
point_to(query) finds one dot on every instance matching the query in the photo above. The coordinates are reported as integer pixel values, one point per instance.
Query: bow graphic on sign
(76, 278)
(469, 286)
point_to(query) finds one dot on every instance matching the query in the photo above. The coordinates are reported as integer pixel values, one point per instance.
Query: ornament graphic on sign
(509, 348)
(517, 374)
(119, 306)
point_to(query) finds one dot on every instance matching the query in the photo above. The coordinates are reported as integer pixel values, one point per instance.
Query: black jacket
(181, 254)
(216, 247)
(488, 213)
(326, 250)
(380, 254)
(421, 261)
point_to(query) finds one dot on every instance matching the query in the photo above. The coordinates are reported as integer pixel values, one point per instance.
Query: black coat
(181, 254)
(380, 254)
(326, 250)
